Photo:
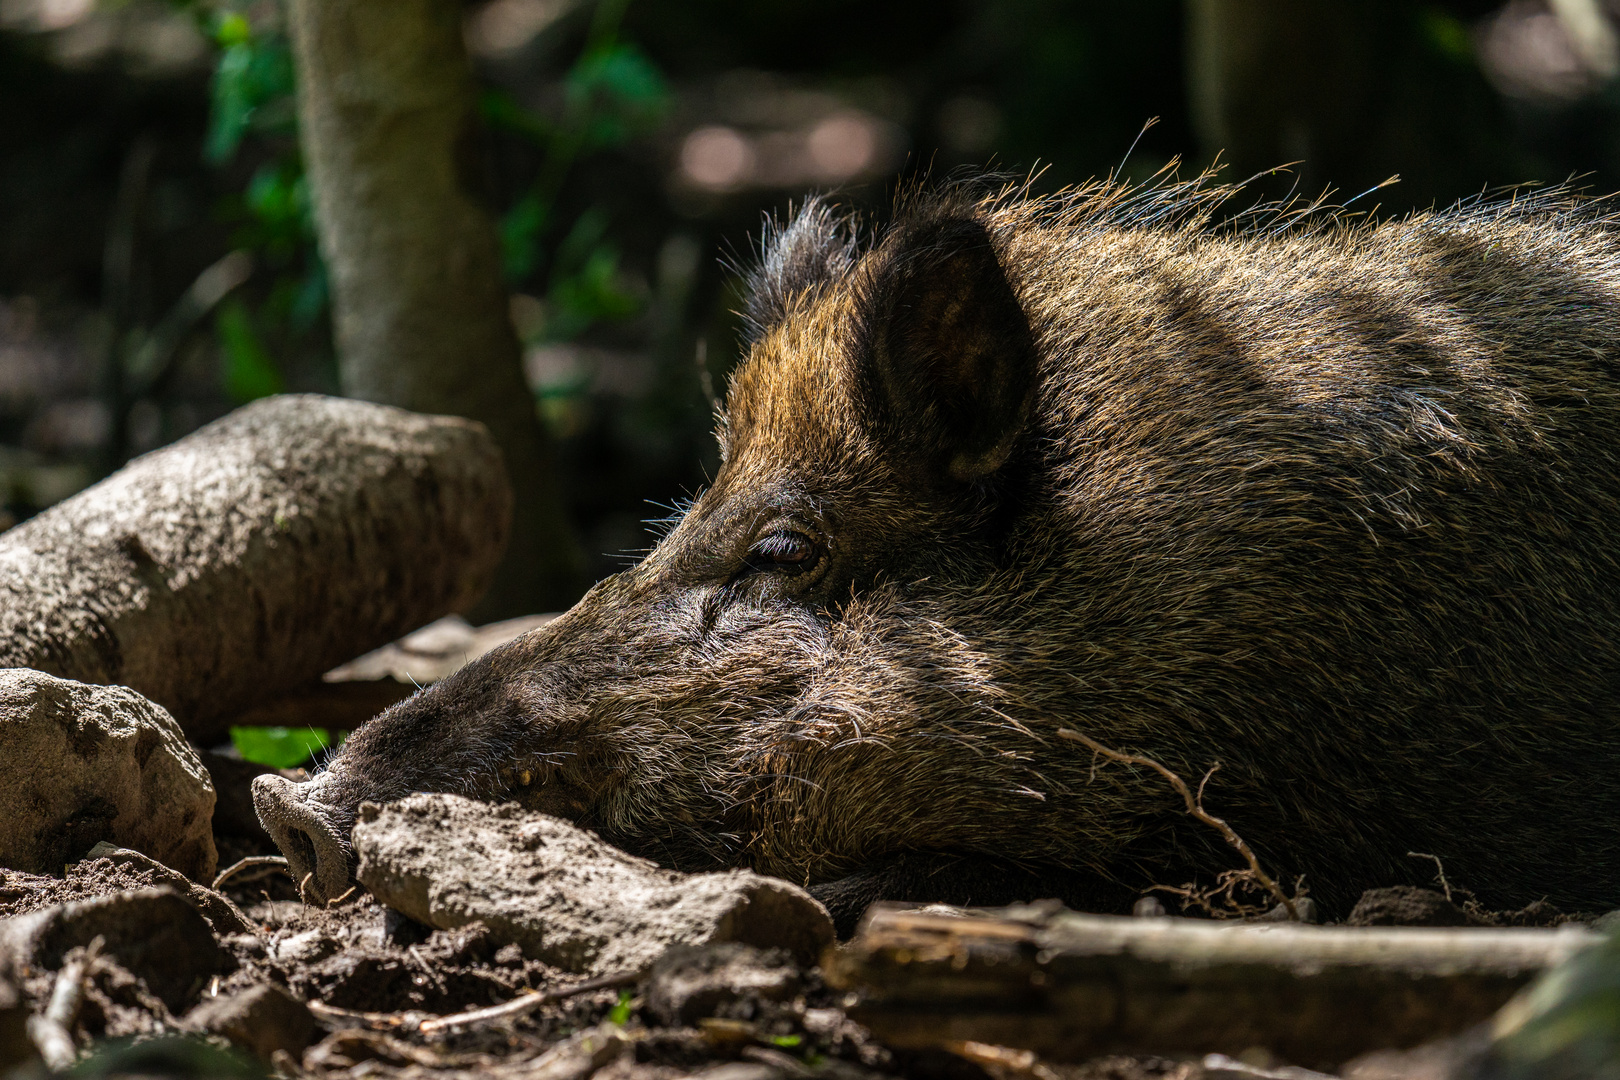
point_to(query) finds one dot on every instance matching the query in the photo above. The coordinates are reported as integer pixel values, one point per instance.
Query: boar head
(808, 674)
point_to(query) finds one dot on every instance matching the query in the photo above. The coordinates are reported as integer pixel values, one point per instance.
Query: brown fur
(1331, 503)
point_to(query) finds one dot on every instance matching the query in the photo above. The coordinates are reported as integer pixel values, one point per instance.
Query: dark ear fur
(815, 247)
(951, 359)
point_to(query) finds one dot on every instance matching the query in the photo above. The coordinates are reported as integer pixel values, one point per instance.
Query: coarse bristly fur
(1332, 502)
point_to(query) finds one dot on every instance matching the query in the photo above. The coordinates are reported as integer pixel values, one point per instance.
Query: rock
(1405, 905)
(88, 763)
(243, 561)
(142, 872)
(690, 982)
(154, 933)
(261, 1019)
(565, 896)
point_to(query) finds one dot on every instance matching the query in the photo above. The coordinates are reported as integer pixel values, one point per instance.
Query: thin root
(272, 862)
(1195, 807)
(1439, 869)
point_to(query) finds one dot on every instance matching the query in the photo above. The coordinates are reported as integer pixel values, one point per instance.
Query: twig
(52, 1030)
(1439, 869)
(336, 900)
(527, 1003)
(375, 1019)
(304, 884)
(1195, 807)
(275, 861)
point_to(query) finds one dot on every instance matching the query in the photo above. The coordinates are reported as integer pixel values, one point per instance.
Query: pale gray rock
(248, 558)
(561, 893)
(91, 763)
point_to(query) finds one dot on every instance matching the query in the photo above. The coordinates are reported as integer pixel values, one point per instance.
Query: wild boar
(1331, 502)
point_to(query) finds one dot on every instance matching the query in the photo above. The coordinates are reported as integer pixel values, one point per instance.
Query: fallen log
(1071, 986)
(245, 560)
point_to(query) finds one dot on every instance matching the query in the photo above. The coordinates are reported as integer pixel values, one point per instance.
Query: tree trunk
(242, 562)
(386, 111)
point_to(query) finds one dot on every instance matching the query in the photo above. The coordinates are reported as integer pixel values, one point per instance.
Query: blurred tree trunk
(1353, 91)
(386, 108)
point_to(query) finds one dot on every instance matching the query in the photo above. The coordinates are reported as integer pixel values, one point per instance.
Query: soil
(370, 975)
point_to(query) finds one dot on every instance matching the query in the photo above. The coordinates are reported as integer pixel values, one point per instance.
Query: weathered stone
(563, 894)
(261, 1019)
(690, 982)
(154, 933)
(245, 560)
(90, 763)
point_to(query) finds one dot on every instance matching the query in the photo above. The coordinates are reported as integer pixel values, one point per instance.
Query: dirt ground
(370, 977)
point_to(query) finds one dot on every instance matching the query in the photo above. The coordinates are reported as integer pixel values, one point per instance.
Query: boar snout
(312, 845)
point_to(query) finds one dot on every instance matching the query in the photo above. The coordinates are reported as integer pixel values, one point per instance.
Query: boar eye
(788, 553)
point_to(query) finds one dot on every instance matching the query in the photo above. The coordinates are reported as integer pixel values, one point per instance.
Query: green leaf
(253, 87)
(787, 1042)
(520, 234)
(619, 92)
(619, 1015)
(279, 747)
(249, 372)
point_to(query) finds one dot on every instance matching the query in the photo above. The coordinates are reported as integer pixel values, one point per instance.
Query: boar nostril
(300, 849)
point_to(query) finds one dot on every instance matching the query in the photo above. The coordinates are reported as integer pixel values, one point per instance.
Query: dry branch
(52, 1030)
(1195, 807)
(1071, 986)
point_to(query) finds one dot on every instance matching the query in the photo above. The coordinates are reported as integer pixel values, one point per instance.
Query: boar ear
(951, 360)
(815, 247)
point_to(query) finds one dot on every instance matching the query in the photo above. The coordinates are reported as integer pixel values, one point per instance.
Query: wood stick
(527, 1003)
(1071, 986)
(52, 1031)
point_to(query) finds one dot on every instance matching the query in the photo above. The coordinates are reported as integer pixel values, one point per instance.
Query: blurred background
(158, 256)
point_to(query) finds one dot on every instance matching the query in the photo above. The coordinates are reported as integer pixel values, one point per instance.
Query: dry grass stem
(1195, 807)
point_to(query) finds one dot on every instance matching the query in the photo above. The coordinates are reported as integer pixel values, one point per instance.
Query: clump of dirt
(21, 893)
